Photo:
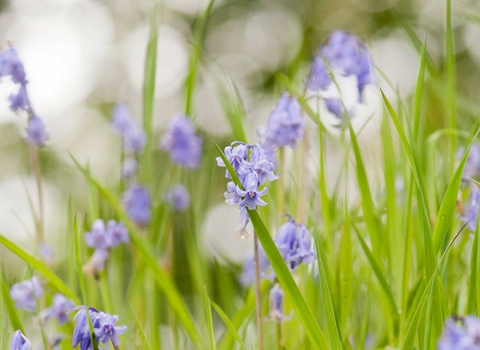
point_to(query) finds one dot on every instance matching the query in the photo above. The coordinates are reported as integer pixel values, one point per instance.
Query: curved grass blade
(332, 324)
(39, 267)
(163, 280)
(228, 323)
(143, 336)
(208, 316)
(281, 270)
(10, 307)
(378, 272)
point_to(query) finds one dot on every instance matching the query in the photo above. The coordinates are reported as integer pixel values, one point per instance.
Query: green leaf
(419, 92)
(234, 110)
(143, 336)
(10, 307)
(208, 316)
(228, 323)
(332, 324)
(40, 267)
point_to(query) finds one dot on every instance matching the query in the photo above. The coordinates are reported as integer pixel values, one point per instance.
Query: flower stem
(279, 336)
(35, 167)
(281, 181)
(258, 301)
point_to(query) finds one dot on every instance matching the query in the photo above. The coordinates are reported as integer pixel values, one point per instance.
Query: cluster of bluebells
(137, 203)
(132, 134)
(103, 237)
(343, 55)
(285, 125)
(178, 198)
(182, 142)
(276, 304)
(253, 169)
(460, 334)
(104, 328)
(11, 66)
(19, 342)
(294, 244)
(25, 294)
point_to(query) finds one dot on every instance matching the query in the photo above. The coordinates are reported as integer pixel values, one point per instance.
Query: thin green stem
(258, 293)
(279, 335)
(35, 167)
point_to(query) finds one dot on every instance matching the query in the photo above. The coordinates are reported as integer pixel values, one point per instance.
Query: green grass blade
(40, 267)
(332, 324)
(10, 307)
(191, 81)
(234, 110)
(378, 273)
(143, 336)
(450, 93)
(419, 92)
(208, 316)
(228, 323)
(447, 208)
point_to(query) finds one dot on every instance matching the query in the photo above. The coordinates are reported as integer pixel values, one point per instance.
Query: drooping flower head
(182, 143)
(253, 169)
(471, 210)
(10, 65)
(285, 124)
(341, 74)
(60, 308)
(461, 334)
(133, 135)
(116, 233)
(178, 198)
(96, 238)
(19, 341)
(25, 293)
(104, 329)
(136, 201)
(275, 304)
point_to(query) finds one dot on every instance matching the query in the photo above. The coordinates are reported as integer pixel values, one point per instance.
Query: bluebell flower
(129, 168)
(178, 198)
(97, 237)
(236, 155)
(286, 123)
(116, 233)
(262, 165)
(60, 308)
(463, 334)
(241, 229)
(133, 135)
(182, 143)
(107, 330)
(472, 165)
(36, 133)
(471, 210)
(231, 195)
(334, 105)
(20, 101)
(25, 293)
(19, 341)
(137, 204)
(81, 332)
(251, 195)
(275, 304)
(345, 55)
(10, 65)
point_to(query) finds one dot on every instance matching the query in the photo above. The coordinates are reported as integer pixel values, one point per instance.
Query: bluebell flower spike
(25, 294)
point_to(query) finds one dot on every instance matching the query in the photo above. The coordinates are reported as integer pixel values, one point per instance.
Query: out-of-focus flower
(107, 330)
(10, 65)
(181, 142)
(104, 328)
(340, 74)
(60, 308)
(463, 334)
(137, 204)
(471, 210)
(472, 166)
(286, 123)
(131, 132)
(248, 274)
(294, 244)
(19, 341)
(253, 169)
(178, 198)
(24, 294)
(276, 303)
(116, 233)
(96, 238)
(129, 168)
